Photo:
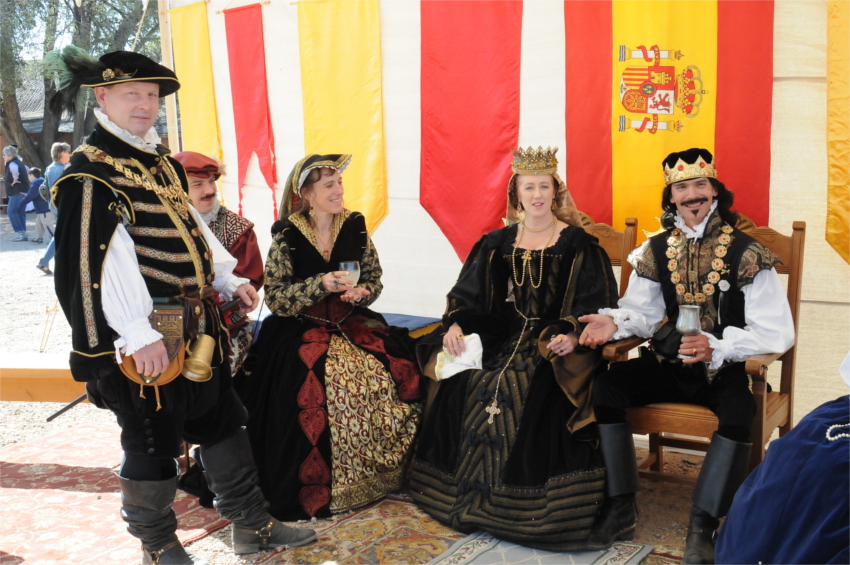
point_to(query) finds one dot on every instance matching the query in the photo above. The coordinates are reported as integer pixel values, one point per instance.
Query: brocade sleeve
(286, 297)
(370, 274)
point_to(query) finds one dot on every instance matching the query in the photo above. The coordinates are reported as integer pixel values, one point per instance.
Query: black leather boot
(232, 476)
(699, 545)
(146, 507)
(618, 517)
(725, 467)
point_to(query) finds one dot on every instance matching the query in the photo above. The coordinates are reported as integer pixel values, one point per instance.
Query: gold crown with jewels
(534, 161)
(685, 171)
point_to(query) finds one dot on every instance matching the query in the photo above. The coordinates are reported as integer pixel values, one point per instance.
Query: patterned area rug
(392, 530)
(482, 548)
(60, 502)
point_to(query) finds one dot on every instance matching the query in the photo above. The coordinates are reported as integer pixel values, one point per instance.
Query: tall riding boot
(146, 507)
(724, 469)
(618, 517)
(232, 476)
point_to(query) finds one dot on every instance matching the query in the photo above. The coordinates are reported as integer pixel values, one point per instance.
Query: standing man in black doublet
(128, 242)
(702, 260)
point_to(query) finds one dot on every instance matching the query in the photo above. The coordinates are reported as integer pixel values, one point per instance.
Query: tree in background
(29, 29)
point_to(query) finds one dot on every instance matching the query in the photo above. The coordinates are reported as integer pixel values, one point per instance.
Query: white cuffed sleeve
(769, 327)
(640, 310)
(223, 262)
(125, 297)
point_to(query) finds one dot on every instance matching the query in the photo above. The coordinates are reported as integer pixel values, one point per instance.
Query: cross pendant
(493, 409)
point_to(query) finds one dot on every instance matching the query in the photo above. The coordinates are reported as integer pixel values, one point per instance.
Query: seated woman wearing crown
(511, 448)
(331, 390)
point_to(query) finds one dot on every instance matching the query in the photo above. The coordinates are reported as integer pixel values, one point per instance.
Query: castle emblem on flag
(658, 90)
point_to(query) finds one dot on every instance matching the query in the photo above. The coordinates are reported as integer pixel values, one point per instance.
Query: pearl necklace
(718, 266)
(837, 436)
(526, 257)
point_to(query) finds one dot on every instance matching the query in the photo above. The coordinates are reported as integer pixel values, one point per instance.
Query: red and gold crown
(534, 161)
(685, 171)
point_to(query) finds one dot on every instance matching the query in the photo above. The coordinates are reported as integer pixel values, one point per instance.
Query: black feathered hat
(75, 68)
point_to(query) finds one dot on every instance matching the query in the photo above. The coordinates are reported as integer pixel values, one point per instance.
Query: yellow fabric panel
(340, 43)
(838, 127)
(687, 27)
(190, 37)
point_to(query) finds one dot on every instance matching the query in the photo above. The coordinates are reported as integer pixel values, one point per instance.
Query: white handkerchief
(448, 366)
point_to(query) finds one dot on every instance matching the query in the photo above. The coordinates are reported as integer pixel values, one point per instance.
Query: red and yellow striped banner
(838, 128)
(341, 81)
(470, 114)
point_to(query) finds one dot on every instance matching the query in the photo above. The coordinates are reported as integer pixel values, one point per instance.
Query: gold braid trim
(85, 269)
(303, 225)
(190, 243)
(173, 193)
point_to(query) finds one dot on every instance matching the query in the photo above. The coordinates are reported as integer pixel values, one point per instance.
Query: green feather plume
(72, 68)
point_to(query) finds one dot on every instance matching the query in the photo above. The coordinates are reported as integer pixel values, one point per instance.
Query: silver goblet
(688, 323)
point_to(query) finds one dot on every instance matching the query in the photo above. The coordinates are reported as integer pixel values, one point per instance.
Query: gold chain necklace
(526, 258)
(494, 409)
(325, 245)
(718, 266)
(526, 228)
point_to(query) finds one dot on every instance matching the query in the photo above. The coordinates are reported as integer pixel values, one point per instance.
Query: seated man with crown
(701, 263)
(509, 447)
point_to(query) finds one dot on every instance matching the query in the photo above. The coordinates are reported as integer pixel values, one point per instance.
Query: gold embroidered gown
(331, 390)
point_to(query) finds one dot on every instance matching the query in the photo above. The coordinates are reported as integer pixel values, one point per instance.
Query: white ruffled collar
(695, 232)
(147, 143)
(210, 216)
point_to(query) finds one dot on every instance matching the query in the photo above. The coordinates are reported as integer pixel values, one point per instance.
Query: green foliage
(98, 26)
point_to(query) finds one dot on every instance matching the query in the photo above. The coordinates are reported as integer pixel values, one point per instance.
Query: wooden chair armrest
(757, 365)
(614, 350)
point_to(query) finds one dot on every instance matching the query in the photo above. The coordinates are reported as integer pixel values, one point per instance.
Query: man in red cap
(235, 233)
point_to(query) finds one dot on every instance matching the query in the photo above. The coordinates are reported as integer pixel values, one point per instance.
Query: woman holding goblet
(331, 390)
(510, 448)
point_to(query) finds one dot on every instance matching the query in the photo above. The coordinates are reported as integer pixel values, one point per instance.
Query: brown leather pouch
(167, 319)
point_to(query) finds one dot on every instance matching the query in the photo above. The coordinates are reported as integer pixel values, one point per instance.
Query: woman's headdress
(296, 178)
(75, 68)
(540, 162)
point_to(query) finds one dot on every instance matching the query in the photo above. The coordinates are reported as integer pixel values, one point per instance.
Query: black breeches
(645, 380)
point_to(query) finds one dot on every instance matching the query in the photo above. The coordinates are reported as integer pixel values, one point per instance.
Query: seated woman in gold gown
(331, 390)
(511, 448)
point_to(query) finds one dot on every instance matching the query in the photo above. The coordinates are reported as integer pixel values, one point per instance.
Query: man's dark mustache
(694, 201)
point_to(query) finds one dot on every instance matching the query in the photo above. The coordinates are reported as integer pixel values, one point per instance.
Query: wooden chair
(617, 244)
(773, 409)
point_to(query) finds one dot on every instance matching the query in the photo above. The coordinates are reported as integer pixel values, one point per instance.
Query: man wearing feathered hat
(130, 248)
(235, 233)
(703, 261)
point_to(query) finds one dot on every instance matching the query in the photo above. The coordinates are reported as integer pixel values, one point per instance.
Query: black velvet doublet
(109, 182)
(524, 477)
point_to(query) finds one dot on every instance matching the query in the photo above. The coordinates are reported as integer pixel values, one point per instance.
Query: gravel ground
(664, 507)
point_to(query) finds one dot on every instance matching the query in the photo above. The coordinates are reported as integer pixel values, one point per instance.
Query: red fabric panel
(744, 103)
(589, 62)
(247, 55)
(470, 113)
